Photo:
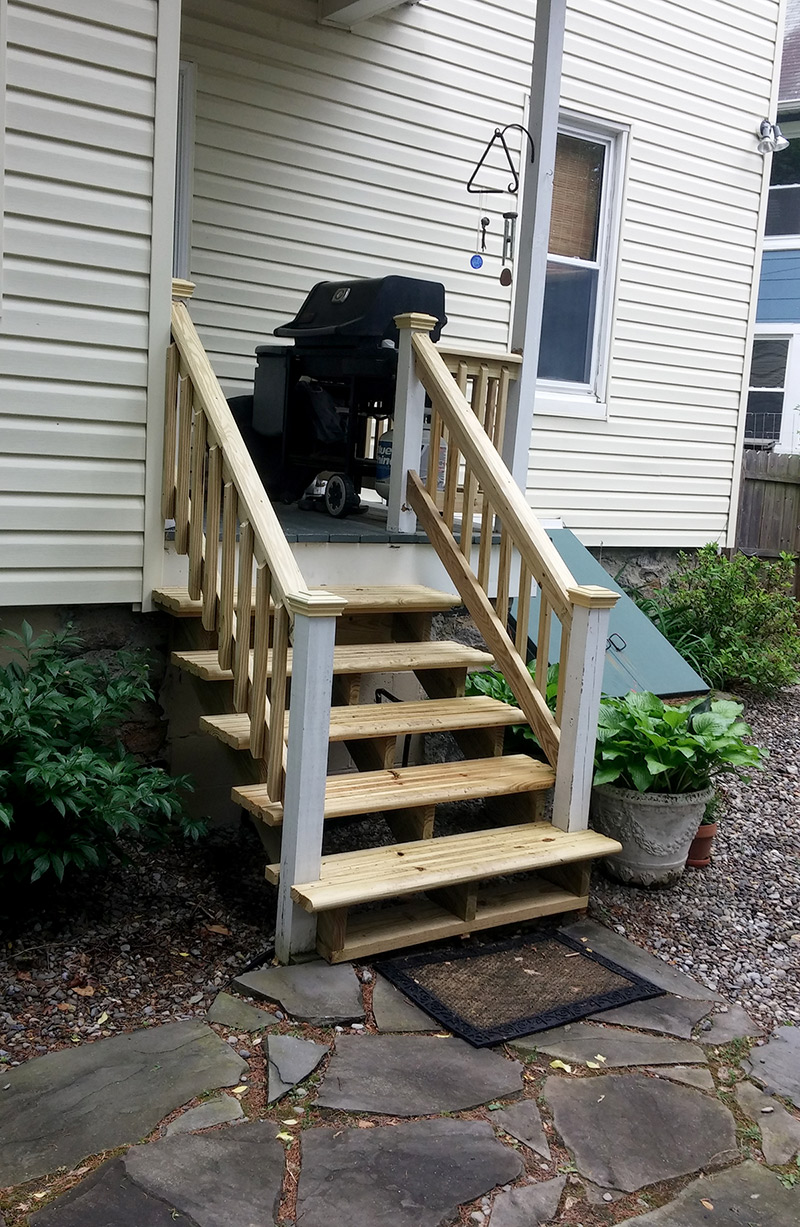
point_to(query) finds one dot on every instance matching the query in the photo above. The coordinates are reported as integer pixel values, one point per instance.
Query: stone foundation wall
(636, 568)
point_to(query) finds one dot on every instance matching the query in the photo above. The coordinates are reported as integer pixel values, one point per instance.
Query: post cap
(416, 322)
(316, 604)
(592, 596)
(181, 288)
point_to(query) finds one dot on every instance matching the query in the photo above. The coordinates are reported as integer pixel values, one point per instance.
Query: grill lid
(363, 311)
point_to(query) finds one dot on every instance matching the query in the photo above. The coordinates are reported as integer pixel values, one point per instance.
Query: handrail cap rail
(593, 596)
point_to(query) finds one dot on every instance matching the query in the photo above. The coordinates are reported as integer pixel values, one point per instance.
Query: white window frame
(184, 171)
(783, 242)
(590, 399)
(789, 440)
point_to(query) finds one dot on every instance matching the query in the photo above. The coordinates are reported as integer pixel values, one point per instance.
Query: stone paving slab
(230, 1011)
(414, 1075)
(528, 1206)
(689, 1075)
(66, 1105)
(524, 1122)
(734, 1024)
(616, 947)
(109, 1198)
(746, 1196)
(394, 1012)
(317, 993)
(222, 1111)
(668, 1015)
(290, 1061)
(776, 1064)
(626, 1131)
(581, 1042)
(780, 1131)
(415, 1174)
(218, 1179)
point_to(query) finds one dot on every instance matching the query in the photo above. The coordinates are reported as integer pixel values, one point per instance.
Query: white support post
(409, 413)
(306, 764)
(534, 232)
(583, 684)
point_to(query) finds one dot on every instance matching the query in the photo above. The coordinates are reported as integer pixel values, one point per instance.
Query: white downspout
(534, 231)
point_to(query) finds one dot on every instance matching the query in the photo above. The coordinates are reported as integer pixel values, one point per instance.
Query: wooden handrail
(270, 544)
(535, 547)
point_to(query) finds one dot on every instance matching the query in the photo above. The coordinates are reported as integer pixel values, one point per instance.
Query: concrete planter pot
(654, 828)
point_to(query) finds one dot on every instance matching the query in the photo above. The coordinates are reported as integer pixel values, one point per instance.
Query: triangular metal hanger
(499, 138)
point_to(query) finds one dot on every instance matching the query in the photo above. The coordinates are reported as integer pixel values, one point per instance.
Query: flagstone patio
(595, 1123)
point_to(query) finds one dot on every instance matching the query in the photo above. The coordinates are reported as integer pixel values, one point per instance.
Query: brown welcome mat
(493, 993)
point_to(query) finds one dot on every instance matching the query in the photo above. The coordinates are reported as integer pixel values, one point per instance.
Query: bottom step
(421, 920)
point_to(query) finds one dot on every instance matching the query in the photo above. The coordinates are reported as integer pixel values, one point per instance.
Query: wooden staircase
(293, 660)
(458, 882)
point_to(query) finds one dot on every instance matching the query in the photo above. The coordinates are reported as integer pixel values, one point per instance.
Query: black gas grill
(323, 398)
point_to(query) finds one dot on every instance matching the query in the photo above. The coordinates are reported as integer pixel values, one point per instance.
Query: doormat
(493, 993)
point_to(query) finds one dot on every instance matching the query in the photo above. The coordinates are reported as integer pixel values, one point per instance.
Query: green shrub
(733, 619)
(646, 744)
(69, 793)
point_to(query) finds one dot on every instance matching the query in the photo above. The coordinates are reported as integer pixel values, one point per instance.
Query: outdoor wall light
(771, 139)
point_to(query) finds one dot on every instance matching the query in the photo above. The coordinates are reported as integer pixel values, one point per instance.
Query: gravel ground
(736, 925)
(156, 939)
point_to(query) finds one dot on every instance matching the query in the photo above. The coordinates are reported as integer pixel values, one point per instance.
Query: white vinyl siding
(74, 327)
(325, 153)
(692, 81)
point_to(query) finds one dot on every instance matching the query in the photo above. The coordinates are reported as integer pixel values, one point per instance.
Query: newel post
(315, 617)
(583, 683)
(409, 413)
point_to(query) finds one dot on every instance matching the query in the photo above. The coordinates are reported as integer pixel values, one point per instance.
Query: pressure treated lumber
(357, 722)
(356, 658)
(410, 922)
(361, 598)
(432, 784)
(372, 874)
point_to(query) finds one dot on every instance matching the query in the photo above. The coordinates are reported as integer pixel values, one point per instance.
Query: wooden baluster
(213, 508)
(226, 640)
(258, 689)
(485, 550)
(543, 643)
(184, 460)
(523, 611)
(432, 479)
(468, 511)
(197, 505)
(244, 610)
(462, 375)
(504, 575)
(491, 407)
(562, 673)
(500, 415)
(276, 750)
(451, 482)
(170, 433)
(480, 389)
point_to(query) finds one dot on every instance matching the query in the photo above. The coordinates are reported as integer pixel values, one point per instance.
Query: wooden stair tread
(370, 792)
(409, 922)
(371, 874)
(356, 658)
(360, 722)
(361, 599)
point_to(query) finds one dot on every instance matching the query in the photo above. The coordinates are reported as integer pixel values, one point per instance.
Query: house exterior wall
(75, 326)
(325, 153)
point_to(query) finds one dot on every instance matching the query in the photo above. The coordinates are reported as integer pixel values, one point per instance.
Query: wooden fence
(769, 507)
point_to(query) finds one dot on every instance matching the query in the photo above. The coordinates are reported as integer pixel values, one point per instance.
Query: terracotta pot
(700, 851)
(654, 828)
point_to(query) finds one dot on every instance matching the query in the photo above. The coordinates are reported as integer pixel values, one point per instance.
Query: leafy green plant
(734, 619)
(645, 744)
(492, 682)
(69, 792)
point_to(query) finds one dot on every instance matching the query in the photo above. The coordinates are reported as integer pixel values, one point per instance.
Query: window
(580, 265)
(783, 205)
(767, 386)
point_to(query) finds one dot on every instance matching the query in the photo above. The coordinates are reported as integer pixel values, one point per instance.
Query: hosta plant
(651, 746)
(70, 795)
(492, 682)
